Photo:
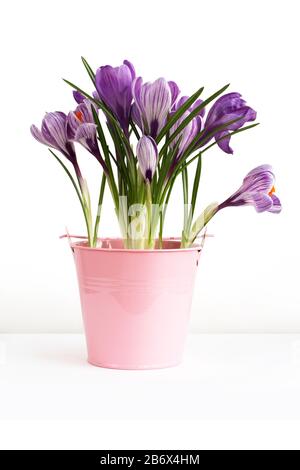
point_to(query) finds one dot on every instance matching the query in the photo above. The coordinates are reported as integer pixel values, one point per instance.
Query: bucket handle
(203, 236)
(69, 237)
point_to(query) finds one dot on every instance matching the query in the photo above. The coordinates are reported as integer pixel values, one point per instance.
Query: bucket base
(133, 366)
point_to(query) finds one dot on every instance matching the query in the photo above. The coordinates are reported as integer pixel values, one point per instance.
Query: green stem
(208, 213)
(150, 241)
(100, 201)
(189, 220)
(135, 131)
(163, 214)
(185, 188)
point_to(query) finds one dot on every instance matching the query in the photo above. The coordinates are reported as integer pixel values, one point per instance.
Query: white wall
(249, 273)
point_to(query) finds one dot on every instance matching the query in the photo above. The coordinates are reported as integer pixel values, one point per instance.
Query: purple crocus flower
(152, 104)
(114, 87)
(147, 155)
(186, 136)
(227, 108)
(257, 190)
(53, 133)
(81, 128)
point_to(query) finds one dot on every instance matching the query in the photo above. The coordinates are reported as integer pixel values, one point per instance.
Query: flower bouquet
(136, 290)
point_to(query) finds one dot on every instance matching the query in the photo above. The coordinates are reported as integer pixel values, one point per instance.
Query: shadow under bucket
(135, 303)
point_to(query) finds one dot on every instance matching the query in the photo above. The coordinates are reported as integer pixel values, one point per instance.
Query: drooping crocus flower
(227, 108)
(82, 128)
(114, 87)
(152, 104)
(53, 133)
(186, 136)
(257, 190)
(147, 155)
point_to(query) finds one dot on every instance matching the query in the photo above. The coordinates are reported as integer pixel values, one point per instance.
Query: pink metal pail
(135, 303)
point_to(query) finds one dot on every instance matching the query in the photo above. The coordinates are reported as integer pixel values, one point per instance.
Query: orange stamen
(272, 191)
(79, 115)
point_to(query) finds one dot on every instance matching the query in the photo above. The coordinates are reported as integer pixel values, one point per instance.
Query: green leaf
(163, 213)
(174, 118)
(203, 220)
(195, 187)
(100, 133)
(242, 129)
(100, 201)
(194, 142)
(214, 143)
(121, 158)
(101, 136)
(135, 131)
(166, 162)
(89, 70)
(185, 187)
(199, 224)
(77, 192)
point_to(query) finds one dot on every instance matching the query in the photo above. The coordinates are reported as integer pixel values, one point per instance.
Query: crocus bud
(147, 155)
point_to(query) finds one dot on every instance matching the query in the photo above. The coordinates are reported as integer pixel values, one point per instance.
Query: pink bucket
(135, 303)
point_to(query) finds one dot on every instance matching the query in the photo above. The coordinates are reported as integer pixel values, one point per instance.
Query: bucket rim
(78, 245)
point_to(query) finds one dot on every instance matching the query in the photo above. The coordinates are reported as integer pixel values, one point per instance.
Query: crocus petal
(190, 131)
(54, 128)
(114, 87)
(78, 97)
(147, 155)
(195, 105)
(223, 139)
(86, 131)
(85, 109)
(130, 67)
(174, 91)
(37, 134)
(276, 207)
(82, 114)
(261, 202)
(136, 116)
(260, 179)
(154, 101)
(72, 125)
(185, 137)
(137, 108)
(96, 95)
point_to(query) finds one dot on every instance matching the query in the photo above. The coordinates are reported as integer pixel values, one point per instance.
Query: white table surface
(222, 376)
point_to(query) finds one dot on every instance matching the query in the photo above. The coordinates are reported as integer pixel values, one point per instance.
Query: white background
(248, 278)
